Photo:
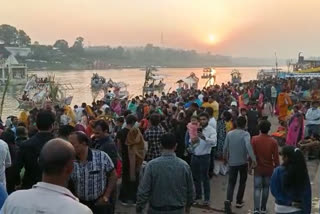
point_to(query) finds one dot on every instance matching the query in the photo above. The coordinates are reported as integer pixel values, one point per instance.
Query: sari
(284, 101)
(295, 129)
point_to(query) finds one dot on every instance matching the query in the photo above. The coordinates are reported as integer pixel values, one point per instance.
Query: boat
(306, 66)
(268, 73)
(97, 81)
(11, 69)
(235, 76)
(42, 94)
(153, 82)
(120, 90)
(191, 81)
(208, 73)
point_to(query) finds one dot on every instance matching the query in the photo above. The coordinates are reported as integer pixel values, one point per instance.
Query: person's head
(155, 119)
(296, 108)
(241, 122)
(131, 120)
(194, 106)
(226, 115)
(194, 120)
(80, 141)
(14, 120)
(168, 142)
(8, 136)
(119, 121)
(100, 129)
(211, 99)
(21, 131)
(204, 119)
(209, 110)
(264, 126)
(56, 161)
(65, 131)
(296, 175)
(315, 104)
(205, 99)
(243, 112)
(45, 120)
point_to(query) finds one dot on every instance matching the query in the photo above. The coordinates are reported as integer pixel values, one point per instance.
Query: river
(80, 81)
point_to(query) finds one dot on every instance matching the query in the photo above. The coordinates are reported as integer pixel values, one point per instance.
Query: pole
(5, 92)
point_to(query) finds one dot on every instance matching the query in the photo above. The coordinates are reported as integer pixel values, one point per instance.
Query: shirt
(90, 178)
(313, 117)
(266, 151)
(28, 156)
(213, 123)
(44, 198)
(5, 161)
(205, 146)
(167, 181)
(238, 146)
(274, 92)
(153, 136)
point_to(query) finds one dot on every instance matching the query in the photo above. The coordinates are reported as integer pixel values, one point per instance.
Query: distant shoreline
(162, 67)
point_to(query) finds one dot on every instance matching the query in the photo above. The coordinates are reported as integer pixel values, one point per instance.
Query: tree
(8, 34)
(78, 45)
(61, 44)
(23, 38)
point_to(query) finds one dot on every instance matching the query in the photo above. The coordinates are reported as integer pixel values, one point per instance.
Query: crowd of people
(164, 149)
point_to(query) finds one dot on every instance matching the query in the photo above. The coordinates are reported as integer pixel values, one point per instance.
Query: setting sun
(212, 38)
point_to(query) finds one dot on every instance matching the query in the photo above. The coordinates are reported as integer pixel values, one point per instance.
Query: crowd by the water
(164, 150)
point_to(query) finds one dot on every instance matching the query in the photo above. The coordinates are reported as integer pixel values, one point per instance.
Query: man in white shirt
(313, 120)
(274, 95)
(50, 195)
(200, 161)
(5, 162)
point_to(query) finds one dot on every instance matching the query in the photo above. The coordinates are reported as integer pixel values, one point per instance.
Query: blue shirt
(3, 196)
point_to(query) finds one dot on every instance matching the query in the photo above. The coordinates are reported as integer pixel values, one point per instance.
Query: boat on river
(235, 76)
(191, 81)
(153, 82)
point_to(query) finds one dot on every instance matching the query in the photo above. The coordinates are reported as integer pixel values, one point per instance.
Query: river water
(80, 81)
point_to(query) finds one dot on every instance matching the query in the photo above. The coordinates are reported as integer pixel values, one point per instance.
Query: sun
(212, 38)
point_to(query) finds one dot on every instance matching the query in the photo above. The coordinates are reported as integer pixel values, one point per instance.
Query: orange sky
(239, 27)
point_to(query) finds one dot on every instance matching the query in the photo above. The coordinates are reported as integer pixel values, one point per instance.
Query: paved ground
(219, 186)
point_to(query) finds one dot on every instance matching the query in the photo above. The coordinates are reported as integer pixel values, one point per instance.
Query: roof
(4, 53)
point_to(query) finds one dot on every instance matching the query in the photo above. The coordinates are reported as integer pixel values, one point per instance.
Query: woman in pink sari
(116, 106)
(295, 128)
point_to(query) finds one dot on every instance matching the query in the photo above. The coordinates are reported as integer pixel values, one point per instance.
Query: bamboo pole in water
(4, 94)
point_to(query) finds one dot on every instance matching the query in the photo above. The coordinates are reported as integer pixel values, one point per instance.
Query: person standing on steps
(266, 150)
(236, 149)
(167, 183)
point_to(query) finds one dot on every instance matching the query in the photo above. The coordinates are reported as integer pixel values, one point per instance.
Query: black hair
(120, 119)
(194, 105)
(227, 115)
(168, 141)
(103, 124)
(82, 137)
(55, 155)
(204, 114)
(126, 113)
(209, 110)
(65, 130)
(21, 131)
(241, 122)
(45, 120)
(264, 126)
(296, 174)
(131, 119)
(155, 119)
(205, 99)
(8, 136)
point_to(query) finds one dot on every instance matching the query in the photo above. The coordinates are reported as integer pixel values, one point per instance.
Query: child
(193, 127)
